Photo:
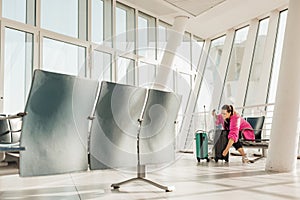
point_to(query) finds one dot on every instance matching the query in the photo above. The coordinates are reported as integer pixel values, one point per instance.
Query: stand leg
(166, 188)
(141, 169)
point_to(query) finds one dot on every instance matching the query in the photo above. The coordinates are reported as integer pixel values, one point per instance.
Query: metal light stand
(141, 172)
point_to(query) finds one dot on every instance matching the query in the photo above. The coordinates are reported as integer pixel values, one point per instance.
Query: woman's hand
(225, 152)
(229, 144)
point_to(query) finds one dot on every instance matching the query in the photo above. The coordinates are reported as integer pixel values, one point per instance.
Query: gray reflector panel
(158, 128)
(114, 129)
(113, 142)
(55, 130)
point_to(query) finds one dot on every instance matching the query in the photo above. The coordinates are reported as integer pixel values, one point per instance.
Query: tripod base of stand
(166, 188)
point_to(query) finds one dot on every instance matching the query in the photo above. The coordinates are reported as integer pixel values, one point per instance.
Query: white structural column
(165, 69)
(284, 137)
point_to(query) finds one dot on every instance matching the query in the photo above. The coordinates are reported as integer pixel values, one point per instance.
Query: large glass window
(19, 10)
(184, 51)
(18, 62)
(183, 83)
(197, 46)
(211, 85)
(163, 36)
(61, 16)
(97, 21)
(277, 57)
(275, 69)
(125, 24)
(63, 57)
(259, 72)
(125, 71)
(146, 74)
(102, 22)
(101, 66)
(234, 68)
(146, 36)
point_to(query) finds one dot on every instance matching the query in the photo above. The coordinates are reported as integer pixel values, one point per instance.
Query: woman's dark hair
(228, 108)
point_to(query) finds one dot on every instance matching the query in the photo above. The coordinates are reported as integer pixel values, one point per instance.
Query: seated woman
(235, 123)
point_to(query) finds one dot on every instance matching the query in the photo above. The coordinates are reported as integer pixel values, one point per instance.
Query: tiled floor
(192, 180)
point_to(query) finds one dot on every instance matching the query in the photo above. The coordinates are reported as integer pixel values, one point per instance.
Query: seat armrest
(18, 115)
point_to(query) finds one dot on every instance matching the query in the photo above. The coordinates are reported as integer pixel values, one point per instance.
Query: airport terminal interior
(115, 99)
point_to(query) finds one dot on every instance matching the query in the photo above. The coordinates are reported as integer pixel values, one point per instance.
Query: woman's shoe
(245, 159)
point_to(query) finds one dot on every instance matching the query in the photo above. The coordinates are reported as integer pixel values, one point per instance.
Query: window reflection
(163, 34)
(147, 36)
(184, 50)
(60, 16)
(146, 74)
(197, 47)
(183, 83)
(19, 10)
(18, 59)
(275, 69)
(125, 28)
(63, 57)
(212, 82)
(101, 66)
(257, 87)
(102, 22)
(277, 57)
(97, 21)
(125, 71)
(234, 68)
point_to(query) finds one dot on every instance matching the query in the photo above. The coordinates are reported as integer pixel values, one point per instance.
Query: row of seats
(10, 129)
(10, 133)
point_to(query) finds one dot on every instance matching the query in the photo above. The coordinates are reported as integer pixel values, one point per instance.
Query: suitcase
(201, 146)
(220, 143)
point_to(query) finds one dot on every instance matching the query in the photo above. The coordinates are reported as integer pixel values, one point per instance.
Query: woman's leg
(238, 146)
(241, 151)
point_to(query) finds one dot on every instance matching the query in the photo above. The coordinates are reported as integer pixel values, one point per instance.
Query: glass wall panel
(63, 57)
(183, 82)
(101, 66)
(211, 86)
(125, 71)
(102, 22)
(125, 28)
(19, 10)
(184, 50)
(277, 57)
(18, 65)
(163, 36)
(97, 21)
(275, 70)
(146, 74)
(146, 36)
(197, 46)
(234, 68)
(60, 16)
(258, 72)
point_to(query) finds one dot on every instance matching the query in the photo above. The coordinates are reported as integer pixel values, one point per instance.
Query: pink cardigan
(237, 124)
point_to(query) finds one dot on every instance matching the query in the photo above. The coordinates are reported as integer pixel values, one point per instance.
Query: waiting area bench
(257, 124)
(9, 136)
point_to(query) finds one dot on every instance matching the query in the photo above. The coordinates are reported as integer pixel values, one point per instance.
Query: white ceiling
(208, 18)
(194, 7)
